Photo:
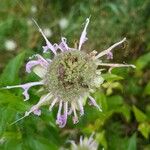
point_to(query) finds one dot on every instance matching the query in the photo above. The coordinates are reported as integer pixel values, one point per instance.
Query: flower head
(85, 144)
(10, 45)
(68, 79)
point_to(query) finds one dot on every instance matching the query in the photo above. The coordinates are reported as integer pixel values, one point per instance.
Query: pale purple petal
(116, 65)
(105, 52)
(45, 49)
(75, 120)
(35, 109)
(81, 107)
(53, 103)
(62, 119)
(75, 117)
(83, 37)
(37, 112)
(93, 102)
(25, 87)
(30, 65)
(81, 140)
(55, 46)
(110, 55)
(40, 61)
(48, 44)
(59, 118)
(70, 111)
(63, 45)
(91, 138)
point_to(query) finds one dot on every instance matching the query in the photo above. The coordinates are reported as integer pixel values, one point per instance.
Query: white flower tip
(124, 39)
(26, 99)
(7, 87)
(75, 120)
(10, 45)
(81, 113)
(63, 23)
(37, 112)
(99, 109)
(133, 66)
(87, 20)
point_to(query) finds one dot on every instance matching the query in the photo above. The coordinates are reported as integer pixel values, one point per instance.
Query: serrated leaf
(143, 61)
(125, 110)
(144, 128)
(100, 137)
(114, 102)
(111, 77)
(10, 74)
(139, 115)
(101, 100)
(132, 143)
(147, 89)
(13, 101)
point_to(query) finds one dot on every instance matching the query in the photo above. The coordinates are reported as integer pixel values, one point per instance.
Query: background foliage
(124, 123)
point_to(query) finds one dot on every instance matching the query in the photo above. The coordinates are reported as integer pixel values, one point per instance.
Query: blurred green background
(124, 123)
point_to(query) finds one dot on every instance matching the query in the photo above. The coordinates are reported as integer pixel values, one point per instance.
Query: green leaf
(139, 115)
(111, 77)
(144, 128)
(100, 137)
(147, 89)
(101, 100)
(143, 61)
(13, 101)
(10, 74)
(115, 102)
(125, 110)
(40, 143)
(132, 143)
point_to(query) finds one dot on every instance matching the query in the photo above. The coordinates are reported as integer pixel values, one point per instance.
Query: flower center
(70, 75)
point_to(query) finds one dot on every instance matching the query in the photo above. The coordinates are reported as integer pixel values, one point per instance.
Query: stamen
(83, 37)
(52, 104)
(35, 107)
(93, 102)
(81, 107)
(50, 46)
(40, 61)
(109, 49)
(25, 87)
(91, 138)
(59, 109)
(75, 118)
(81, 140)
(116, 65)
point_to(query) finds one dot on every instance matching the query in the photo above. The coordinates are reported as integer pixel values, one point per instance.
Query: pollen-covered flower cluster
(68, 79)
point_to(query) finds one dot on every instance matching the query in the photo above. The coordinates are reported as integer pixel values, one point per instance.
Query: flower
(33, 9)
(68, 79)
(48, 33)
(85, 144)
(63, 23)
(10, 45)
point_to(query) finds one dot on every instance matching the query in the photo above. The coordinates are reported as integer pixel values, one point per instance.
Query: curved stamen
(81, 107)
(40, 61)
(107, 51)
(25, 87)
(75, 118)
(116, 65)
(49, 45)
(83, 37)
(93, 102)
(52, 104)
